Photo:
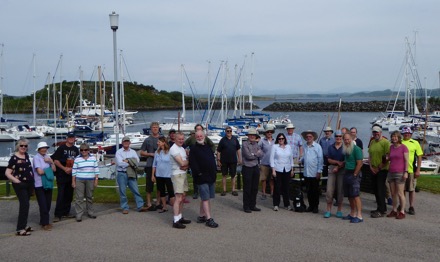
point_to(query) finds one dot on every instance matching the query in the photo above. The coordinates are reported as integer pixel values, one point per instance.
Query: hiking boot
(392, 214)
(178, 225)
(211, 223)
(201, 219)
(185, 221)
(376, 214)
(400, 215)
(411, 211)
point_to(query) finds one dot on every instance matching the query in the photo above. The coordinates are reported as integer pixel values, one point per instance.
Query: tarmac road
(259, 236)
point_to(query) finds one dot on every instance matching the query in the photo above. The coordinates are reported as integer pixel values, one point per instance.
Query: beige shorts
(265, 172)
(180, 183)
(396, 178)
(411, 183)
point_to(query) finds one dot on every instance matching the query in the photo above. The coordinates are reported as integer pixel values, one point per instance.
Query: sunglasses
(83, 150)
(228, 131)
(270, 132)
(338, 136)
(23, 145)
(281, 138)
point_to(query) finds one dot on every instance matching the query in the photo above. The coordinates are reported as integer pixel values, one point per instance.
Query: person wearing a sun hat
(295, 142)
(377, 152)
(41, 161)
(251, 153)
(266, 144)
(313, 162)
(325, 142)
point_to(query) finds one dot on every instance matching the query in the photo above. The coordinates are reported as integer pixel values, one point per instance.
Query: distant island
(146, 97)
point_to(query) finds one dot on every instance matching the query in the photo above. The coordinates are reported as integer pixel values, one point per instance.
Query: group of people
(76, 171)
(337, 156)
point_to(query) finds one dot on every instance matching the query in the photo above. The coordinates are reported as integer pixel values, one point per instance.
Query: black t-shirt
(228, 150)
(63, 154)
(21, 168)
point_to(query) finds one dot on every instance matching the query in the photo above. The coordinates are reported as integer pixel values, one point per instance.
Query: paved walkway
(259, 236)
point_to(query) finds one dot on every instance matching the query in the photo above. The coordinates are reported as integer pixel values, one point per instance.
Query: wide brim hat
(315, 136)
(42, 145)
(269, 128)
(289, 126)
(328, 128)
(252, 131)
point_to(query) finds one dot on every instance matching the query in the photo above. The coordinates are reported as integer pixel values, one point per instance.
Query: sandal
(29, 229)
(23, 233)
(163, 210)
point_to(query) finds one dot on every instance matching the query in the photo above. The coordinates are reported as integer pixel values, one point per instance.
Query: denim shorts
(206, 191)
(352, 184)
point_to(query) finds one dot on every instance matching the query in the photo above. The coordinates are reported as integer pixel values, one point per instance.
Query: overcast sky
(299, 46)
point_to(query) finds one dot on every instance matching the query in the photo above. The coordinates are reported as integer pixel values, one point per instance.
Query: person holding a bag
(19, 172)
(44, 164)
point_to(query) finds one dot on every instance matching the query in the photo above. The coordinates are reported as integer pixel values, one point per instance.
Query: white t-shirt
(176, 150)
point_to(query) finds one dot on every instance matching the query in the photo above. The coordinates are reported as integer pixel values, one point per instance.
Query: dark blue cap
(70, 134)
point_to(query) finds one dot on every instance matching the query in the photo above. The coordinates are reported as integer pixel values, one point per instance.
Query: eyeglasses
(23, 145)
(228, 131)
(83, 150)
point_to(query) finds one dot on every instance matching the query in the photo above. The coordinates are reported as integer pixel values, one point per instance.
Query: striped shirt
(85, 169)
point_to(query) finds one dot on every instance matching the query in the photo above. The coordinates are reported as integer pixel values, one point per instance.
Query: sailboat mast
(48, 98)
(34, 106)
(122, 93)
(183, 95)
(1, 81)
(251, 87)
(61, 84)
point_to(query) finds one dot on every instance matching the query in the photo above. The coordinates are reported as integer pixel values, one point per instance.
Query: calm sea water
(315, 121)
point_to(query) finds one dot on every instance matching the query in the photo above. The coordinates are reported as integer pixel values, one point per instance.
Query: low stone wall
(371, 106)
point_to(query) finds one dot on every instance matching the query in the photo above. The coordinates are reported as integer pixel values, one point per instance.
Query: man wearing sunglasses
(228, 156)
(63, 159)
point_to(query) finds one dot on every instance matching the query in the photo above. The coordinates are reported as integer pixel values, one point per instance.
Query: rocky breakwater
(371, 106)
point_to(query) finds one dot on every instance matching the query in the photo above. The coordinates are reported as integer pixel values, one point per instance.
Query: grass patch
(108, 193)
(429, 183)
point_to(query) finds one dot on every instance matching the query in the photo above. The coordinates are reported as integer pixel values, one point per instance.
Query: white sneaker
(275, 208)
(289, 208)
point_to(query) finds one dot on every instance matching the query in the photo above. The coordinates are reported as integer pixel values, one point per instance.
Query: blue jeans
(123, 182)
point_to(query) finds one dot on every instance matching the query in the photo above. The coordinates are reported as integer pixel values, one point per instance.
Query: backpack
(298, 201)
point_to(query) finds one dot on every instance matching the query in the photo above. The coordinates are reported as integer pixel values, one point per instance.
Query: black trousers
(23, 191)
(251, 177)
(44, 199)
(64, 199)
(282, 182)
(379, 189)
(312, 191)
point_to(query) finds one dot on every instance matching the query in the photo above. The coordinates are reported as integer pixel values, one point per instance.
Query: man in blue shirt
(312, 161)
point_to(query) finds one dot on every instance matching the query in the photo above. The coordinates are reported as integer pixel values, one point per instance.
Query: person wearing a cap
(63, 159)
(251, 153)
(313, 162)
(228, 156)
(171, 136)
(189, 142)
(122, 157)
(295, 142)
(414, 150)
(335, 175)
(148, 149)
(377, 153)
(325, 142)
(85, 174)
(266, 144)
(42, 161)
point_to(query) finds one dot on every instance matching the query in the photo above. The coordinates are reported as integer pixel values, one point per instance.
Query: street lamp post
(114, 21)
